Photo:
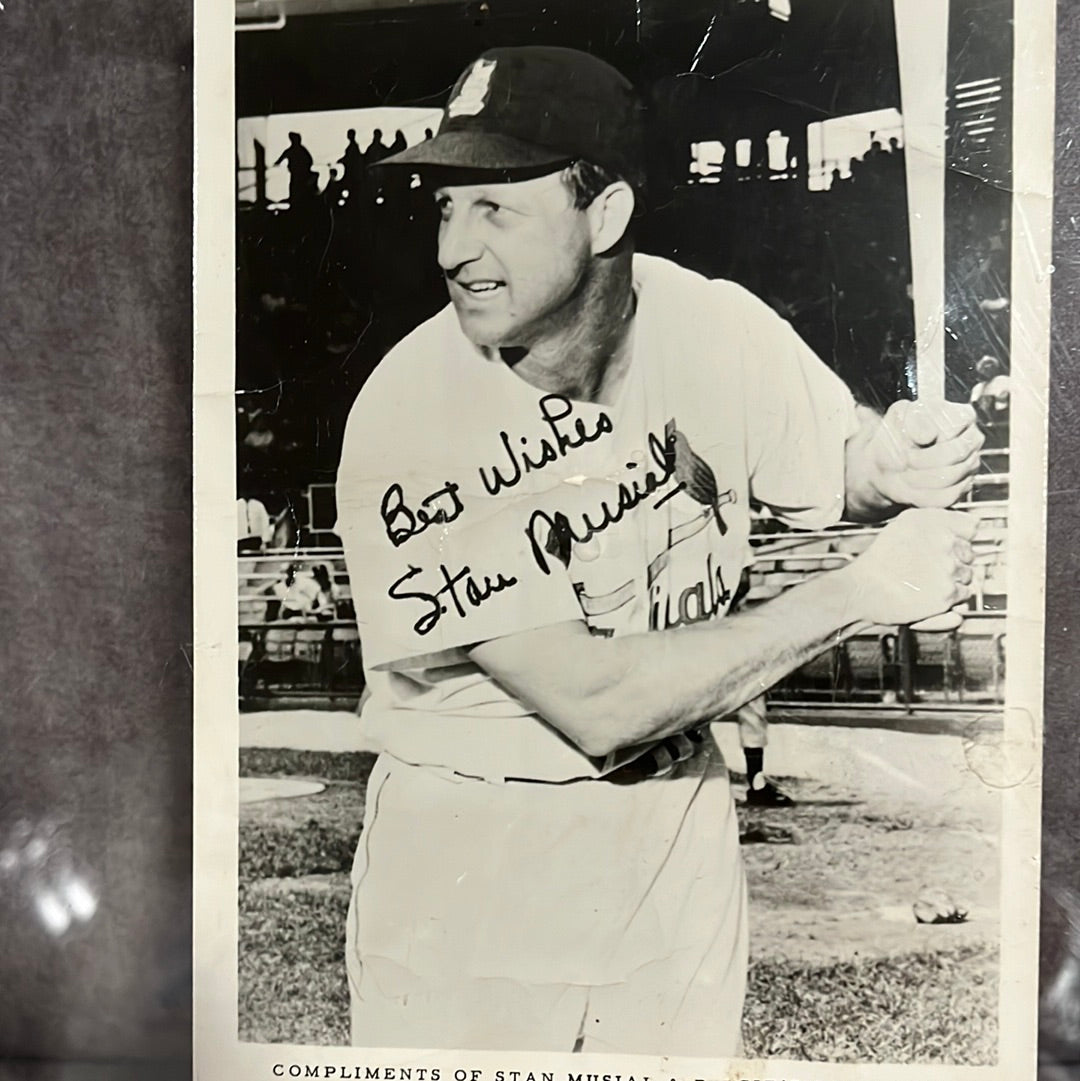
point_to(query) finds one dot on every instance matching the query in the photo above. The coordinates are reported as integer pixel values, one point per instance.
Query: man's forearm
(708, 671)
(607, 693)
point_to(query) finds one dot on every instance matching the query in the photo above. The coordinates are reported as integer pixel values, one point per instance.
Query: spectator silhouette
(334, 190)
(428, 134)
(299, 593)
(324, 607)
(302, 178)
(400, 143)
(352, 162)
(891, 162)
(377, 149)
(276, 592)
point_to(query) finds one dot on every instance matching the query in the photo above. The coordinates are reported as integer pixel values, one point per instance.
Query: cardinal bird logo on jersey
(695, 476)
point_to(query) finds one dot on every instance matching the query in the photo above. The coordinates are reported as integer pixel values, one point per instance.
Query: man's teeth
(481, 287)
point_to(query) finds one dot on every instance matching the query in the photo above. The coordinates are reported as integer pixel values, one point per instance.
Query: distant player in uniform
(544, 497)
(753, 722)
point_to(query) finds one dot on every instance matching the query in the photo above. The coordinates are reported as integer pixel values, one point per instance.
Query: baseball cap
(531, 106)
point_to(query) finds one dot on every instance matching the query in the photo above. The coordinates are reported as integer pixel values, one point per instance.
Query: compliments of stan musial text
(351, 1072)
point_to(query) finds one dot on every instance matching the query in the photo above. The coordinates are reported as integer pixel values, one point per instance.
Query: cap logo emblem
(472, 96)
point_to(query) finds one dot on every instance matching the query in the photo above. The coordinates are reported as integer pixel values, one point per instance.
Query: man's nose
(458, 242)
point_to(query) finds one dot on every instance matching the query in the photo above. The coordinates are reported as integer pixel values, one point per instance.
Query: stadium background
(776, 160)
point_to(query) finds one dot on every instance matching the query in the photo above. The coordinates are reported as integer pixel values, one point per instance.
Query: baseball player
(543, 496)
(753, 724)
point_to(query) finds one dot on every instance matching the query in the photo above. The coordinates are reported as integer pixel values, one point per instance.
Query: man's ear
(609, 216)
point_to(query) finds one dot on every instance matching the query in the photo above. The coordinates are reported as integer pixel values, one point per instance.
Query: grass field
(840, 970)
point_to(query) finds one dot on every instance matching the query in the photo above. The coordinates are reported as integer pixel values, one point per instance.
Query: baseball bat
(922, 38)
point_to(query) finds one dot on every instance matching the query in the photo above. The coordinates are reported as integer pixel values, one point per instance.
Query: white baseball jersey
(473, 505)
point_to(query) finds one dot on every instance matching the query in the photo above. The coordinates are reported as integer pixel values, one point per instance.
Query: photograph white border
(218, 1052)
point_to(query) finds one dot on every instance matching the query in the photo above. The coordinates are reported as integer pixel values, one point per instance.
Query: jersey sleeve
(799, 417)
(434, 565)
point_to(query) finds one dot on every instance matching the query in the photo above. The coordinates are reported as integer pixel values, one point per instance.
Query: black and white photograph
(627, 660)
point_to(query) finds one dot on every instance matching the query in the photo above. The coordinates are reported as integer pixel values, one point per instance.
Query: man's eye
(442, 202)
(489, 206)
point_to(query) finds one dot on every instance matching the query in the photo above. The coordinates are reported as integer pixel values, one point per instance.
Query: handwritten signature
(444, 506)
(402, 523)
(554, 409)
(551, 533)
(464, 591)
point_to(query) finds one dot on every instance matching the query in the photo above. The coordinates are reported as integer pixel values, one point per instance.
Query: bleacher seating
(303, 655)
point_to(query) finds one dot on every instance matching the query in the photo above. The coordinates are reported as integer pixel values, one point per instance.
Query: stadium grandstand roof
(326, 54)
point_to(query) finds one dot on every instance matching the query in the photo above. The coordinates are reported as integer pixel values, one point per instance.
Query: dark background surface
(1061, 752)
(95, 363)
(95, 400)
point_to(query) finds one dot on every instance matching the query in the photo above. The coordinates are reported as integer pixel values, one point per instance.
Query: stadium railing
(893, 666)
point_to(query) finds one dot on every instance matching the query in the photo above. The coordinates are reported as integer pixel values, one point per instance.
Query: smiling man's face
(515, 256)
